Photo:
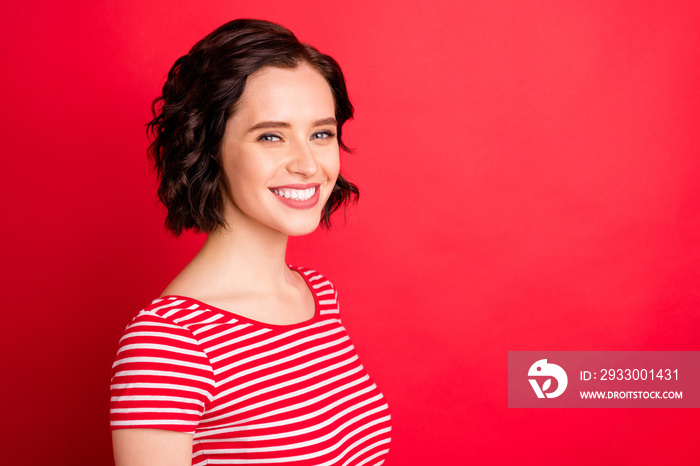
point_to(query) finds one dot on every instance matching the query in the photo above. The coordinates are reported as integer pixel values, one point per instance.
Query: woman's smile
(297, 196)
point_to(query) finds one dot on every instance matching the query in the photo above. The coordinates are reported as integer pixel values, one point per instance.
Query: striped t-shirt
(249, 392)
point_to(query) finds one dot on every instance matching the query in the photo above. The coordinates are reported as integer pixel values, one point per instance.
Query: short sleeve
(161, 378)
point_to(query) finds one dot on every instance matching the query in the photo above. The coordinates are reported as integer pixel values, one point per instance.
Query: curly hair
(201, 93)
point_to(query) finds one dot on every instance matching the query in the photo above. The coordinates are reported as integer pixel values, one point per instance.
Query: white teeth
(295, 194)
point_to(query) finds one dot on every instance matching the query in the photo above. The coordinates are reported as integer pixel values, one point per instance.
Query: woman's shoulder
(174, 314)
(311, 273)
(325, 293)
(314, 278)
(180, 312)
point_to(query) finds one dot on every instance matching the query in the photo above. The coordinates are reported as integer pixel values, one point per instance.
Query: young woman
(243, 359)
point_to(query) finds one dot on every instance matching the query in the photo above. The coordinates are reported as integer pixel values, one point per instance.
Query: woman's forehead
(282, 93)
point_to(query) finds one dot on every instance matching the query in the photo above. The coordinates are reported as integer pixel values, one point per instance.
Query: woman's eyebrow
(326, 121)
(269, 124)
(284, 124)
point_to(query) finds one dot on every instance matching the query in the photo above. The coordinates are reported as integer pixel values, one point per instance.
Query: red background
(529, 181)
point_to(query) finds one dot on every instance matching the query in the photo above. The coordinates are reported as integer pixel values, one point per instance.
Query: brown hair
(199, 96)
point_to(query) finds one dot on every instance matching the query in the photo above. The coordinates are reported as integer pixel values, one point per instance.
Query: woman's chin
(301, 228)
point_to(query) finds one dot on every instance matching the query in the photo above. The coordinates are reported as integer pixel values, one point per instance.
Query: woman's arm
(151, 447)
(161, 383)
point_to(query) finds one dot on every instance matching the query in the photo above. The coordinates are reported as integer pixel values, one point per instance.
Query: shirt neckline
(241, 318)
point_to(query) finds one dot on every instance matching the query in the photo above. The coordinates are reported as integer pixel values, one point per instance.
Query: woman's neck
(235, 260)
(257, 257)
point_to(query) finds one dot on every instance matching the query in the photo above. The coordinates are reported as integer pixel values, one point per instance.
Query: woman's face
(280, 151)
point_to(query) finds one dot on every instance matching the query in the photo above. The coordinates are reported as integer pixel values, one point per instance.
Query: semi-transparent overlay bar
(604, 379)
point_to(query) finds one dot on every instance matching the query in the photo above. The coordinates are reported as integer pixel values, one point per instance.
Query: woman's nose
(303, 161)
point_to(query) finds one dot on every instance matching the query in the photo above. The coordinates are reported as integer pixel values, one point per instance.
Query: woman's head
(202, 93)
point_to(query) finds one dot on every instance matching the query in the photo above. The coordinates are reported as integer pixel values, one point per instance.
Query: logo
(543, 369)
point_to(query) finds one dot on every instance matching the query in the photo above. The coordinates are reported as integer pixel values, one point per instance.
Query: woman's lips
(297, 196)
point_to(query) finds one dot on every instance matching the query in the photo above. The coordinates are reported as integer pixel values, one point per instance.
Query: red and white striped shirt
(249, 392)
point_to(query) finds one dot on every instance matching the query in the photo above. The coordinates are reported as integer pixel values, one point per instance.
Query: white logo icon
(543, 369)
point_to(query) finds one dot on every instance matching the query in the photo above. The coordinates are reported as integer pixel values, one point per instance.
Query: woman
(243, 359)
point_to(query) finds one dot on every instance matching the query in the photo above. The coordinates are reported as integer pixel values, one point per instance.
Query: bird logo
(542, 368)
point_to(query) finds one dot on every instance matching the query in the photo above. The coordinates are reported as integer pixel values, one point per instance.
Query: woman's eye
(323, 135)
(268, 137)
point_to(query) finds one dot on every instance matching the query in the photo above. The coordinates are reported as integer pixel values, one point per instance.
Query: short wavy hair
(200, 95)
